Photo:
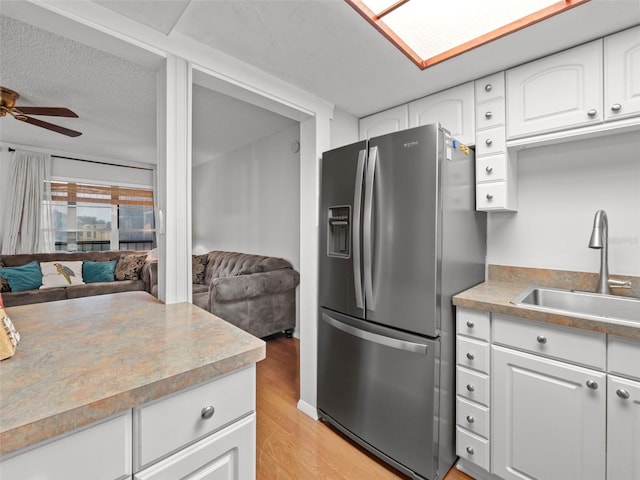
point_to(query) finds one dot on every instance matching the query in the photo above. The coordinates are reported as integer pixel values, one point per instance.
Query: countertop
(495, 296)
(86, 359)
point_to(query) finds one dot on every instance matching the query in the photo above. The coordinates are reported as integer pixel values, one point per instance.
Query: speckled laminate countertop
(86, 359)
(505, 283)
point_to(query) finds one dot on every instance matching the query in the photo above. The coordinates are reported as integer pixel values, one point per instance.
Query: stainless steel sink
(594, 306)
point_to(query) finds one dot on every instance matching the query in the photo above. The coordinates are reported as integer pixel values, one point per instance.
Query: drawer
(489, 87)
(490, 196)
(101, 451)
(229, 453)
(473, 354)
(563, 343)
(490, 114)
(170, 423)
(472, 448)
(490, 142)
(472, 385)
(624, 357)
(473, 323)
(473, 417)
(492, 168)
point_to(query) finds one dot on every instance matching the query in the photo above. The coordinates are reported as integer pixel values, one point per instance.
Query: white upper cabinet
(558, 92)
(622, 74)
(388, 121)
(453, 108)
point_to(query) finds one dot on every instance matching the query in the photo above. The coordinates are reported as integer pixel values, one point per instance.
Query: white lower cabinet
(226, 455)
(623, 429)
(548, 418)
(101, 451)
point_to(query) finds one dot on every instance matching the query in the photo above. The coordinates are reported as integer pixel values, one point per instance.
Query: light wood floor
(291, 445)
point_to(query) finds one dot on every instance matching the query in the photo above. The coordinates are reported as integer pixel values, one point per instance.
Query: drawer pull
(592, 113)
(471, 356)
(207, 412)
(470, 419)
(488, 169)
(488, 115)
(488, 87)
(622, 393)
(488, 142)
(592, 385)
(541, 339)
(470, 451)
(471, 388)
(470, 324)
(489, 196)
(616, 107)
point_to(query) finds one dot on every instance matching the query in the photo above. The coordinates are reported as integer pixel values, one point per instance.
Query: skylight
(431, 31)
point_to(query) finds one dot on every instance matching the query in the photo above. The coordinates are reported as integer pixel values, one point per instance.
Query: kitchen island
(84, 361)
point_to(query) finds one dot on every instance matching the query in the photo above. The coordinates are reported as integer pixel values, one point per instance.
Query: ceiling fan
(7, 106)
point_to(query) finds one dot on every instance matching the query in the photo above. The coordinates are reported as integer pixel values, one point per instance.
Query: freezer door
(378, 385)
(340, 262)
(401, 230)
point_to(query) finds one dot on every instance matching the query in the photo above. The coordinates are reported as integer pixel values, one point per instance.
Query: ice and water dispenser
(339, 231)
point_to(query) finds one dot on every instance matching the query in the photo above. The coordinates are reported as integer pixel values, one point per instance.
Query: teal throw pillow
(24, 277)
(93, 272)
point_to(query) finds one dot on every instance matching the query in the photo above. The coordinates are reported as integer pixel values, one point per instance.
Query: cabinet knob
(488, 115)
(470, 451)
(488, 141)
(488, 169)
(471, 356)
(488, 87)
(471, 388)
(616, 107)
(470, 419)
(489, 196)
(207, 412)
(592, 113)
(592, 384)
(622, 393)
(470, 324)
(541, 339)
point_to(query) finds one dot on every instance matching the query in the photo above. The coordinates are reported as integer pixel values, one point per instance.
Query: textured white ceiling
(115, 99)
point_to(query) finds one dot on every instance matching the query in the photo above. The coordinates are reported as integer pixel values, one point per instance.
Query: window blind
(112, 195)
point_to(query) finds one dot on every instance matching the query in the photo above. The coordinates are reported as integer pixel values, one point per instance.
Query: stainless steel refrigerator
(399, 235)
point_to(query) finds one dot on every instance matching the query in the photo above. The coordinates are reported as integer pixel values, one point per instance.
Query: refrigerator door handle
(376, 338)
(368, 227)
(357, 204)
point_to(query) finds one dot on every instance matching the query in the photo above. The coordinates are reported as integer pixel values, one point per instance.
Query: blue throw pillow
(93, 272)
(24, 277)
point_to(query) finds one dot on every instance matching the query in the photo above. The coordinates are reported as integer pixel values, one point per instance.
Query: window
(97, 217)
(431, 31)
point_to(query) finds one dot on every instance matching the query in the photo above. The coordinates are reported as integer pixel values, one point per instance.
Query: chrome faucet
(600, 240)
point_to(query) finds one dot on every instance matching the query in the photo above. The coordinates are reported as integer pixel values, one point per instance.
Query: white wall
(560, 189)
(249, 200)
(344, 128)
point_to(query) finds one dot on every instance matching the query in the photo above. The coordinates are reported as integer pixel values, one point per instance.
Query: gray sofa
(142, 282)
(253, 292)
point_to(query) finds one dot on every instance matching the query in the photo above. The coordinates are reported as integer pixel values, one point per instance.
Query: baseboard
(308, 409)
(474, 471)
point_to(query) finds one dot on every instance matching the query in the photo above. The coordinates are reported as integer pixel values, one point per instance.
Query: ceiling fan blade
(48, 111)
(49, 126)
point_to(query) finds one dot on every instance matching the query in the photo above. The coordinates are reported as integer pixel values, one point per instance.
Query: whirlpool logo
(410, 144)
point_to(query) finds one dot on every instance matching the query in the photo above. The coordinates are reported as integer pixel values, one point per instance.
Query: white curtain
(27, 220)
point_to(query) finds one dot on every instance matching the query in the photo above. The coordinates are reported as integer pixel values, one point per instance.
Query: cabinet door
(555, 93)
(388, 121)
(623, 429)
(453, 108)
(547, 423)
(622, 74)
(227, 455)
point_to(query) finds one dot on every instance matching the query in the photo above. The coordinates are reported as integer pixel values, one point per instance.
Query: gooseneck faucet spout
(599, 239)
